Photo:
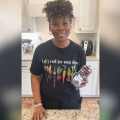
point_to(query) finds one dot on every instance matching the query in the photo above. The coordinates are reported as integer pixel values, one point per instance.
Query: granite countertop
(30, 56)
(64, 114)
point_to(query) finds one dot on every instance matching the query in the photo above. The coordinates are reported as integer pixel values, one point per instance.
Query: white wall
(43, 29)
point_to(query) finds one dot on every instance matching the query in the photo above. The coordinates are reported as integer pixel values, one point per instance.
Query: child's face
(60, 28)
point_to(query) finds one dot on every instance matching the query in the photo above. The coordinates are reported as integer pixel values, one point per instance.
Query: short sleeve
(36, 66)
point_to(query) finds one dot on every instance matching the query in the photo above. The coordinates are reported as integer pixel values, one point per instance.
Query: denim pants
(74, 103)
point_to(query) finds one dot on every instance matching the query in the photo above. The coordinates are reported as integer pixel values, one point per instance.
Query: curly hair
(57, 8)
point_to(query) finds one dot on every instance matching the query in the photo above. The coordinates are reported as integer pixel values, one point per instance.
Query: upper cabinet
(35, 7)
(86, 13)
(28, 23)
(87, 20)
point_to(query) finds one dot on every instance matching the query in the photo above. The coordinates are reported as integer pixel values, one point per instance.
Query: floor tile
(31, 98)
(91, 101)
(27, 98)
(28, 101)
(96, 108)
(88, 98)
(33, 106)
(84, 103)
(91, 108)
(26, 106)
(22, 98)
(93, 105)
(97, 98)
(22, 101)
(93, 98)
(84, 108)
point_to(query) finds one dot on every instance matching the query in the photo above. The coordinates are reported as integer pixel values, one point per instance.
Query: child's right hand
(38, 113)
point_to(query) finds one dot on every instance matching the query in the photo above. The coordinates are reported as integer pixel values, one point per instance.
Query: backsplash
(43, 31)
(43, 28)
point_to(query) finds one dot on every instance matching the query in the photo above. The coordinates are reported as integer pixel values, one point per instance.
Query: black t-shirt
(56, 65)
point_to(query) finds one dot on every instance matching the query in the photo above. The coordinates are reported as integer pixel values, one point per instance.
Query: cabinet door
(98, 92)
(90, 88)
(26, 83)
(27, 22)
(87, 15)
(24, 22)
(35, 7)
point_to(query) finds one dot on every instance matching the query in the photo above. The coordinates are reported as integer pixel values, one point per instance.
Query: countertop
(28, 57)
(64, 114)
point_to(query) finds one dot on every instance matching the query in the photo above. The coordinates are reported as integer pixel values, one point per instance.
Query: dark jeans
(74, 103)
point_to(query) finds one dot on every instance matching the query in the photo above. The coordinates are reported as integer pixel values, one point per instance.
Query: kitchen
(84, 27)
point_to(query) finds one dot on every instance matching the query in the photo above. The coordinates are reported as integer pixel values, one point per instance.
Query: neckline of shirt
(65, 48)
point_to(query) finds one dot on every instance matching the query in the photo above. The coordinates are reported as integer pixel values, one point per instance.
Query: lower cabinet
(91, 87)
(26, 81)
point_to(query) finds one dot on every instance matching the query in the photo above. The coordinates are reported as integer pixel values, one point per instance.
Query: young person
(55, 61)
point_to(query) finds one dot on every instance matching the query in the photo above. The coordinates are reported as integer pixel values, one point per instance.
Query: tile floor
(87, 103)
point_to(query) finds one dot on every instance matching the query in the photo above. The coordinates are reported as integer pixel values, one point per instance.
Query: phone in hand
(82, 74)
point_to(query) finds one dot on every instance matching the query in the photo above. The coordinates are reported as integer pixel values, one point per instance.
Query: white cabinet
(88, 16)
(91, 87)
(98, 88)
(28, 24)
(98, 91)
(35, 7)
(26, 81)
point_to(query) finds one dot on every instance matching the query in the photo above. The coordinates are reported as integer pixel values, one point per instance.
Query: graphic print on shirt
(73, 70)
(59, 70)
(45, 69)
(68, 74)
(49, 72)
(54, 75)
(64, 73)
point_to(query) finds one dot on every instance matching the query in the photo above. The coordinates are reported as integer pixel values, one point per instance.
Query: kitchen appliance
(87, 45)
(28, 45)
(26, 41)
(23, 49)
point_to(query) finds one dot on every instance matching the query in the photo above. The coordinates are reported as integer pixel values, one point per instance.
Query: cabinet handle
(24, 66)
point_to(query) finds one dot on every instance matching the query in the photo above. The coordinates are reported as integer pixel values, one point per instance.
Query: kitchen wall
(43, 28)
(43, 31)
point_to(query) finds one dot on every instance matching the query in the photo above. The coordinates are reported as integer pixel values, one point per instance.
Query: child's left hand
(84, 82)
